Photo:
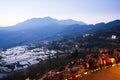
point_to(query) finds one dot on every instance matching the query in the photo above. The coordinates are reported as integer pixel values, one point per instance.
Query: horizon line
(2, 26)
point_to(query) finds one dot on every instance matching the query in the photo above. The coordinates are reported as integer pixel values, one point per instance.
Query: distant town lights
(86, 35)
(113, 37)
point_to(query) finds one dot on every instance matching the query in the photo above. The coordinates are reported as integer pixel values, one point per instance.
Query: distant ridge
(36, 30)
(49, 19)
(42, 22)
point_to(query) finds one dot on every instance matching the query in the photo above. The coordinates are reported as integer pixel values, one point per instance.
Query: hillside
(36, 31)
(103, 39)
(91, 40)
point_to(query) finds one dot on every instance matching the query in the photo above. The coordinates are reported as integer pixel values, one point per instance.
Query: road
(112, 73)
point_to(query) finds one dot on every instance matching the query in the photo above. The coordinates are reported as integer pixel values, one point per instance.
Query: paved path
(112, 73)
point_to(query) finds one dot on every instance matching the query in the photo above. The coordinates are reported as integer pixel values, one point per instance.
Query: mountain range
(36, 30)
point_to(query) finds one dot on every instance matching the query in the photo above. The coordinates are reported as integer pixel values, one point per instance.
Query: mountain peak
(47, 17)
(45, 21)
(71, 22)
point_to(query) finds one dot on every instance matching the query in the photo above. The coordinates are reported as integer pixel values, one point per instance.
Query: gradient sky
(88, 11)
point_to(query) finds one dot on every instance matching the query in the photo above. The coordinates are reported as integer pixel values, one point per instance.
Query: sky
(88, 11)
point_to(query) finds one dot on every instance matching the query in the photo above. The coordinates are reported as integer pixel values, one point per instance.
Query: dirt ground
(112, 73)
